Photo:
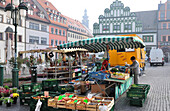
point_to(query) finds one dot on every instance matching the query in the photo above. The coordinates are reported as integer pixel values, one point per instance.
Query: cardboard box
(96, 89)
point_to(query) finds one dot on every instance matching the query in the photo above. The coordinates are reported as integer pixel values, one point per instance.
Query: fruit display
(119, 75)
(74, 102)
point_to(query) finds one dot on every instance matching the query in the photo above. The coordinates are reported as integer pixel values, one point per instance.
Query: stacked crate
(28, 90)
(44, 100)
(50, 85)
(138, 94)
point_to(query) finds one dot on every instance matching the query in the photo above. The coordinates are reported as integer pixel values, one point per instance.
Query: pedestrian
(135, 69)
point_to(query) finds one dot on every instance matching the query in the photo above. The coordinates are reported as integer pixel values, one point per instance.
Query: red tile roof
(51, 7)
(35, 11)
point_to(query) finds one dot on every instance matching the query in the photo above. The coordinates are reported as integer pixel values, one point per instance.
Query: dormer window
(28, 4)
(47, 3)
(34, 6)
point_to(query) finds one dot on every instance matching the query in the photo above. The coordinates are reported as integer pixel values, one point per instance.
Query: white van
(156, 56)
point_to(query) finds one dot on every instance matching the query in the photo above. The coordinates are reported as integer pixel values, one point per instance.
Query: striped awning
(99, 44)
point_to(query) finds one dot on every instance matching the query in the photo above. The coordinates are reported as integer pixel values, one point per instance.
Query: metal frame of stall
(63, 51)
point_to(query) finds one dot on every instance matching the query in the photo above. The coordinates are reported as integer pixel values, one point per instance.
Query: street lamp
(14, 8)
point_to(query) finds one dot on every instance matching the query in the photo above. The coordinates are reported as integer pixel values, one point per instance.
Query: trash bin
(1, 75)
(34, 74)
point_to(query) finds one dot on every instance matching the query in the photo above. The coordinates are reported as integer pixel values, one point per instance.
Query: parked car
(156, 56)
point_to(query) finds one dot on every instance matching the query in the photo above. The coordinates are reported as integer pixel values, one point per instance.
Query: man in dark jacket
(135, 69)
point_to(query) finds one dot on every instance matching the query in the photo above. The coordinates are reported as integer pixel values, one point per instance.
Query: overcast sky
(75, 8)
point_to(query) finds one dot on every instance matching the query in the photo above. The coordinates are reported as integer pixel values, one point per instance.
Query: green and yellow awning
(99, 44)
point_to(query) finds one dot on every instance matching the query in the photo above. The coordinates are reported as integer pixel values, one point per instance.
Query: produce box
(81, 105)
(31, 87)
(71, 104)
(121, 76)
(50, 85)
(52, 103)
(137, 102)
(98, 75)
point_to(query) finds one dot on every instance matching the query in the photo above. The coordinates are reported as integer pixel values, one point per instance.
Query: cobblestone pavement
(158, 98)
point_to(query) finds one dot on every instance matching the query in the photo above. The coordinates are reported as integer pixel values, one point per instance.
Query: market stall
(111, 80)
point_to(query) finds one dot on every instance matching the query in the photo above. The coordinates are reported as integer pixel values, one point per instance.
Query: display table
(118, 86)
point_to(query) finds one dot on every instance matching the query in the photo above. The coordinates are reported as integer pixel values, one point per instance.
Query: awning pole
(107, 56)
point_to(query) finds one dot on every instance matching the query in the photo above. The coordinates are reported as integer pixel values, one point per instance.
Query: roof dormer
(47, 3)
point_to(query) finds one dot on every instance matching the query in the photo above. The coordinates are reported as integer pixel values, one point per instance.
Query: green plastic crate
(31, 87)
(50, 85)
(65, 88)
(141, 87)
(137, 102)
(33, 102)
(26, 95)
(24, 101)
(139, 95)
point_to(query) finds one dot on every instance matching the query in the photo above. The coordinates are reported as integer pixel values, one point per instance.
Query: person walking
(135, 69)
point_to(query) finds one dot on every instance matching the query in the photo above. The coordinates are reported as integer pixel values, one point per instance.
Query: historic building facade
(118, 20)
(77, 31)
(164, 25)
(37, 26)
(58, 24)
(7, 34)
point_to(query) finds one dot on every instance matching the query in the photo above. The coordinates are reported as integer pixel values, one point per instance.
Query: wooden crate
(80, 106)
(92, 106)
(97, 98)
(126, 76)
(61, 104)
(52, 103)
(71, 105)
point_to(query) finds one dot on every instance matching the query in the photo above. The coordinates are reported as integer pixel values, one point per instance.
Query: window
(60, 42)
(8, 21)
(162, 15)
(20, 23)
(116, 27)
(164, 26)
(33, 39)
(56, 42)
(34, 26)
(63, 32)
(105, 27)
(128, 26)
(52, 30)
(56, 31)
(11, 36)
(44, 28)
(52, 42)
(60, 32)
(68, 34)
(63, 42)
(20, 38)
(1, 36)
(148, 38)
(1, 18)
(168, 38)
(168, 25)
(43, 40)
(163, 38)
